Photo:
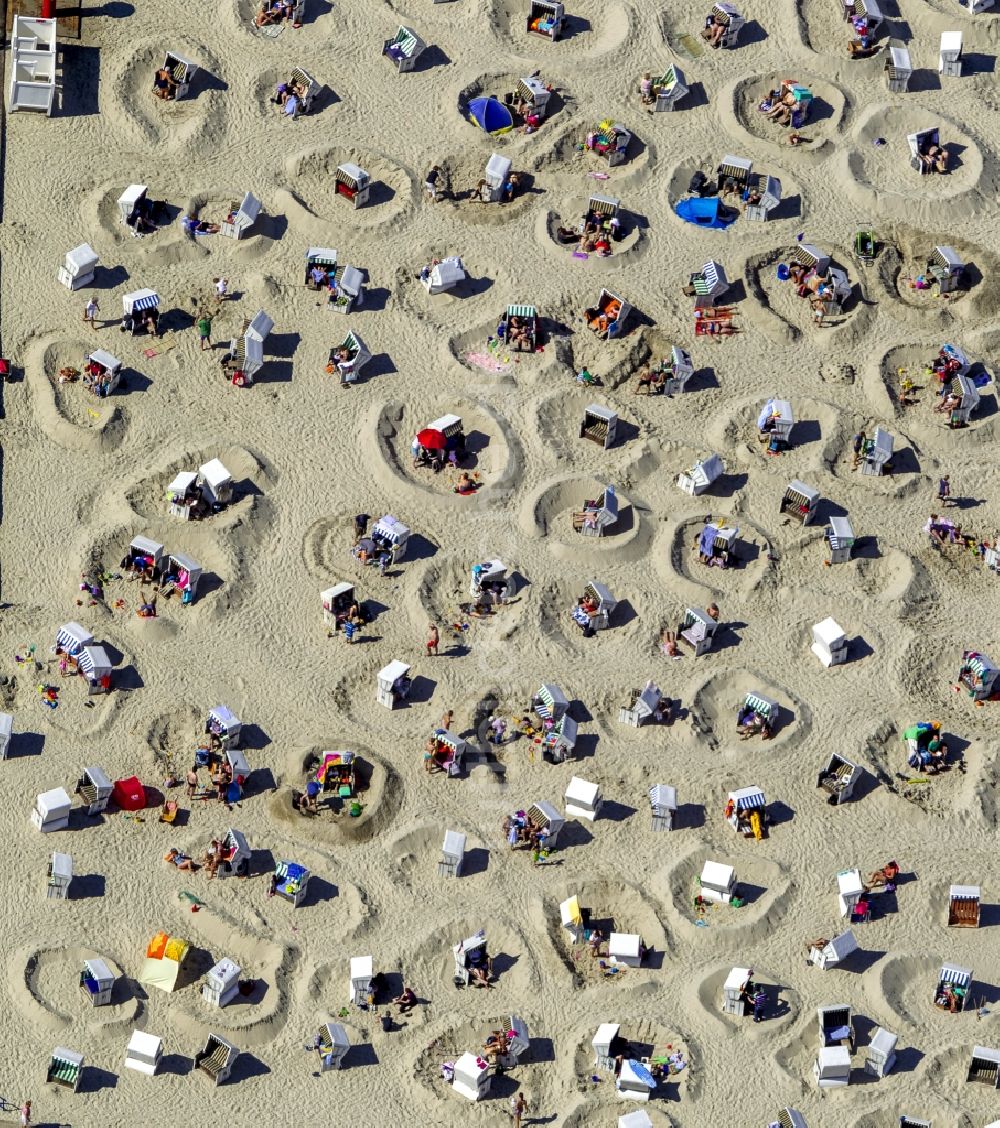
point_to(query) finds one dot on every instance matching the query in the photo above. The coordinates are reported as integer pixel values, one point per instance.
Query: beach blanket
(488, 363)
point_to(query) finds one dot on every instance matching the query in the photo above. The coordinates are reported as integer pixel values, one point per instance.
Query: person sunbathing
(195, 226)
(406, 1000)
(479, 974)
(466, 484)
(272, 13)
(181, 860)
(714, 30)
(881, 877)
(781, 110)
(817, 945)
(497, 1043)
(935, 159)
(164, 85)
(668, 644)
(948, 403)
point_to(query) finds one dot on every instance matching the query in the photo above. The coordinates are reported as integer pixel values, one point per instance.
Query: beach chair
(404, 49)
(324, 258)
(496, 176)
(746, 812)
(812, 258)
(734, 993)
(535, 94)
(78, 267)
(717, 882)
(528, 316)
(789, 1118)
(635, 1082)
(838, 778)
(333, 1046)
(543, 816)
(850, 890)
(767, 189)
(880, 1056)
(491, 576)
(550, 703)
(697, 629)
(217, 1058)
(246, 352)
(964, 905)
(624, 949)
(6, 733)
(710, 282)
(865, 244)
(919, 143)
(358, 355)
(799, 501)
(775, 423)
(947, 268)
(731, 20)
(832, 1068)
(717, 544)
(182, 71)
(215, 483)
(610, 317)
(59, 877)
(606, 604)
(452, 854)
(103, 372)
(130, 204)
(603, 1044)
(241, 217)
(34, 64)
(871, 13)
(837, 950)
(913, 1122)
(546, 18)
(135, 308)
(309, 88)
(472, 1077)
(599, 425)
(51, 810)
(642, 706)
(236, 854)
(978, 675)
(144, 1053)
(663, 804)
(445, 275)
(94, 789)
(610, 140)
(953, 982)
(392, 684)
(65, 1066)
(390, 535)
(461, 950)
(984, 1067)
(839, 535)
(701, 476)
(362, 971)
(222, 983)
(599, 516)
(877, 453)
(352, 183)
(669, 90)
(291, 882)
(898, 69)
(559, 741)
(180, 494)
(950, 54)
(836, 1025)
(829, 643)
(733, 173)
(582, 799)
(974, 7)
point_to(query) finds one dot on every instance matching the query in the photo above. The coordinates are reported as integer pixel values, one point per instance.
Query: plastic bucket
(783, 272)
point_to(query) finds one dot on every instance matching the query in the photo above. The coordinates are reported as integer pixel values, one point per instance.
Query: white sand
(81, 476)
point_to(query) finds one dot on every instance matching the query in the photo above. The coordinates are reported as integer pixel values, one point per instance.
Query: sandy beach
(83, 475)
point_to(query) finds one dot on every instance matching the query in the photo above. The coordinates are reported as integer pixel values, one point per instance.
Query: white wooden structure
(291, 881)
(736, 169)
(515, 1030)
(462, 952)
(836, 1025)
(182, 71)
(669, 89)
(978, 675)
(559, 741)
(362, 970)
(350, 291)
(71, 638)
(642, 707)
(60, 877)
(600, 424)
(185, 573)
(392, 683)
(6, 734)
(663, 803)
(919, 143)
(832, 1068)
(598, 516)
(950, 54)
(898, 69)
(550, 703)
(224, 726)
(236, 855)
(215, 482)
(603, 1044)
(877, 453)
(543, 816)
(497, 171)
(390, 535)
(535, 94)
(583, 799)
(135, 306)
(33, 63)
(222, 983)
(799, 501)
(717, 882)
(624, 948)
(984, 1067)
(969, 398)
(789, 1118)
(606, 603)
(734, 1000)
(608, 301)
(638, 1118)
(51, 810)
(404, 49)
(130, 202)
(452, 854)
(837, 950)
(701, 476)
(746, 807)
(829, 643)
(217, 1058)
(880, 1055)
(445, 275)
(839, 778)
(309, 88)
(336, 600)
(731, 19)
(635, 1082)
(697, 629)
(241, 217)
(947, 268)
(618, 153)
(349, 367)
(65, 1067)
(333, 1046)
(775, 423)
(545, 17)
(353, 183)
(839, 535)
(144, 1053)
(964, 906)
(78, 267)
(472, 1077)
(179, 494)
(850, 890)
(767, 189)
(247, 350)
(571, 918)
(681, 369)
(97, 982)
(710, 282)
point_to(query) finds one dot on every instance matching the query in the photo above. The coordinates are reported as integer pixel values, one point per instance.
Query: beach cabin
(850, 890)
(598, 594)
(734, 173)
(452, 854)
(545, 17)
(78, 267)
(241, 217)
(333, 1044)
(669, 89)
(361, 972)
(181, 573)
(582, 799)
(534, 94)
(390, 536)
(182, 71)
(444, 275)
(736, 992)
(832, 1068)
(496, 175)
(947, 269)
(877, 453)
(60, 877)
(829, 643)
(404, 49)
(559, 739)
(164, 957)
(223, 727)
(839, 778)
(663, 805)
(697, 629)
(635, 1082)
(246, 352)
(764, 196)
(730, 18)
(950, 54)
(701, 476)
(217, 1058)
(953, 986)
(336, 602)
(643, 706)
(144, 1053)
(352, 183)
(291, 882)
(709, 284)
(490, 578)
(964, 905)
(978, 675)
(603, 1043)
(469, 953)
(222, 983)
(609, 140)
(472, 1077)
(799, 501)
(835, 951)
(51, 811)
(545, 818)
(349, 358)
(137, 308)
(608, 319)
(898, 69)
(97, 982)
(236, 855)
(571, 918)
(393, 684)
(215, 483)
(321, 266)
(880, 1054)
(984, 1067)
(598, 516)
(839, 535)
(775, 423)
(65, 1066)
(6, 733)
(600, 425)
(746, 812)
(33, 64)
(717, 882)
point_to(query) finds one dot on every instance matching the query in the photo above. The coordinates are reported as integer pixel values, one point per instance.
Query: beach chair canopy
(71, 637)
(352, 174)
(490, 114)
(534, 91)
(108, 362)
(497, 170)
(739, 168)
(748, 798)
(717, 875)
(140, 300)
(392, 672)
(606, 601)
(957, 976)
(248, 210)
(94, 663)
(839, 532)
(550, 702)
(448, 272)
(222, 719)
(321, 256)
(81, 259)
(663, 796)
(130, 197)
(351, 281)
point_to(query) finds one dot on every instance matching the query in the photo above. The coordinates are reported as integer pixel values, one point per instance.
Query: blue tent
(705, 212)
(490, 114)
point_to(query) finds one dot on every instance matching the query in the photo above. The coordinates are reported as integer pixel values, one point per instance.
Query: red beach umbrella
(430, 439)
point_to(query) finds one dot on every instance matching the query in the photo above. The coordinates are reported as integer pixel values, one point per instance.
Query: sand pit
(781, 298)
(445, 593)
(492, 362)
(323, 110)
(638, 1038)
(251, 479)
(820, 130)
(749, 560)
(781, 1010)
(458, 194)
(49, 993)
(715, 704)
(590, 29)
(824, 30)
(503, 85)
(312, 180)
(72, 415)
(568, 154)
(548, 225)
(554, 515)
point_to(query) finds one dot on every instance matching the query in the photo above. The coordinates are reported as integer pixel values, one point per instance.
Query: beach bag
(588, 631)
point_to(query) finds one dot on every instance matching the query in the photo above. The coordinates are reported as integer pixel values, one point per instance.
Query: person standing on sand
(26, 1114)
(518, 1107)
(91, 311)
(432, 639)
(944, 490)
(205, 331)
